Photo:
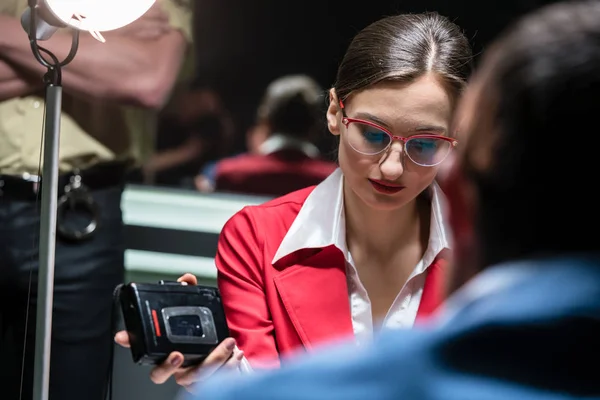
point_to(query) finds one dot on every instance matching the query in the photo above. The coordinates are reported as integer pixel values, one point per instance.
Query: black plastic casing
(166, 317)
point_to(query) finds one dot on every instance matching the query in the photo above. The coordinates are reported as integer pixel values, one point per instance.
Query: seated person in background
(367, 247)
(195, 129)
(255, 136)
(287, 160)
(527, 324)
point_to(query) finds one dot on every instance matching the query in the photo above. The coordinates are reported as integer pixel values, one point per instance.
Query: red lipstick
(385, 187)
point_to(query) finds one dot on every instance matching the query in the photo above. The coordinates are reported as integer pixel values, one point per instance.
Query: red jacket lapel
(315, 295)
(433, 291)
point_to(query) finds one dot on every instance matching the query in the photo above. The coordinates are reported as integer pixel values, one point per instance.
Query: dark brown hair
(402, 48)
(292, 106)
(537, 121)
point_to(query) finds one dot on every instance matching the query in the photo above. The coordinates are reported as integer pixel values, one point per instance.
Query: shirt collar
(321, 222)
(277, 142)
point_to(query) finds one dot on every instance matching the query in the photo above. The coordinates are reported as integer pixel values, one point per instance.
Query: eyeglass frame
(347, 121)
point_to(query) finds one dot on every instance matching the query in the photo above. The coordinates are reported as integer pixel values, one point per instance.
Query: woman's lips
(385, 187)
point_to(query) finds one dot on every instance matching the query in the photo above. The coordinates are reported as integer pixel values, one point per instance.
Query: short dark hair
(540, 104)
(402, 48)
(292, 105)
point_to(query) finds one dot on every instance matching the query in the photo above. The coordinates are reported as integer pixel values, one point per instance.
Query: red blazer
(273, 174)
(300, 302)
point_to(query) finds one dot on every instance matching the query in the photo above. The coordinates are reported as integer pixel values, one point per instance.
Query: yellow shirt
(90, 132)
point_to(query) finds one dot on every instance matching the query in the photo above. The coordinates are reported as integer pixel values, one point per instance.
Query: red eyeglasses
(370, 139)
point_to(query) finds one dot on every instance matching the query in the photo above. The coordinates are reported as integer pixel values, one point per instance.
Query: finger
(189, 376)
(161, 373)
(215, 360)
(235, 361)
(146, 35)
(162, 15)
(190, 279)
(161, 31)
(219, 355)
(150, 25)
(122, 338)
(187, 379)
(149, 34)
(156, 12)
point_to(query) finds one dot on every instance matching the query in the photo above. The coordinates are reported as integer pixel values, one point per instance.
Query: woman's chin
(384, 202)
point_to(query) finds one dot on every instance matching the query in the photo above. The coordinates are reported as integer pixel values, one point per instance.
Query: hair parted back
(402, 48)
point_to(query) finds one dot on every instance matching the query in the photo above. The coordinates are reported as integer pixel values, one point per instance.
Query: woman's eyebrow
(373, 118)
(420, 126)
(430, 128)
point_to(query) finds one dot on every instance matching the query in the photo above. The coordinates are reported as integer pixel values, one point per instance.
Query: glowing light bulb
(97, 16)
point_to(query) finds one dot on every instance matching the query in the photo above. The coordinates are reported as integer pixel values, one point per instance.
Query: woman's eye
(374, 136)
(425, 144)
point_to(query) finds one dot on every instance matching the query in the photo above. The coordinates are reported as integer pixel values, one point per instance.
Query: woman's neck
(383, 233)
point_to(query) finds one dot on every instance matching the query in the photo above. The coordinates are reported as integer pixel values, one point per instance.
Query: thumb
(122, 338)
(161, 373)
(188, 278)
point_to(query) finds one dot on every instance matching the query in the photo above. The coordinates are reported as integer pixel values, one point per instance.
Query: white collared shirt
(277, 142)
(321, 222)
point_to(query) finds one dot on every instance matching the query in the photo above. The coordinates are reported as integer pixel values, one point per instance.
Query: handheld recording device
(169, 316)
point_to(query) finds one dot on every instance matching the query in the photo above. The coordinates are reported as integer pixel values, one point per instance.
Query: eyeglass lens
(369, 140)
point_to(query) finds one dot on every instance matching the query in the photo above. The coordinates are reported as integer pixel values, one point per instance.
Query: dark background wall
(242, 44)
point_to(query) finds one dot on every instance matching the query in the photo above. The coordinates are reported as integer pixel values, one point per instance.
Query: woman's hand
(225, 355)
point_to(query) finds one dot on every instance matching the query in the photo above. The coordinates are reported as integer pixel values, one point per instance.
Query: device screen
(186, 325)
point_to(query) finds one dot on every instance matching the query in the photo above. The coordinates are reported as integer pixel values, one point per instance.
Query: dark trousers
(86, 274)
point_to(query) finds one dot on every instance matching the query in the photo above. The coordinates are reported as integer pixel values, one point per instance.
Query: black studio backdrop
(242, 45)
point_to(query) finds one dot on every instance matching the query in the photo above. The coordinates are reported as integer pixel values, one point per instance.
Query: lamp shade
(96, 15)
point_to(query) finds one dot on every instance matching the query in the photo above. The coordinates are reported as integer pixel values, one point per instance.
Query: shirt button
(36, 104)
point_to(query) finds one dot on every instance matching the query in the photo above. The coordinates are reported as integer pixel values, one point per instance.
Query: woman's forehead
(424, 99)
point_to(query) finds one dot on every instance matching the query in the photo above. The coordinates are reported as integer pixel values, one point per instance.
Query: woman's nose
(392, 164)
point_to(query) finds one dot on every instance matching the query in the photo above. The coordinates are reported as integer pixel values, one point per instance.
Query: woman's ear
(333, 113)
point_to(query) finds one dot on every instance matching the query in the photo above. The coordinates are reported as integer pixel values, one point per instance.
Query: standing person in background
(111, 93)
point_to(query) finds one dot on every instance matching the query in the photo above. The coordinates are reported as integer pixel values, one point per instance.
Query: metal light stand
(48, 213)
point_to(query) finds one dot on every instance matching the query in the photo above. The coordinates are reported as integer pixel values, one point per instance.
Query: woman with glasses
(366, 248)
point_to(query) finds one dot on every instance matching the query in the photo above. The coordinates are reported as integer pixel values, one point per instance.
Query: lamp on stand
(41, 20)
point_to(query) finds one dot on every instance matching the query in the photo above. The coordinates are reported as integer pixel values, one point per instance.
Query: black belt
(28, 188)
(73, 193)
